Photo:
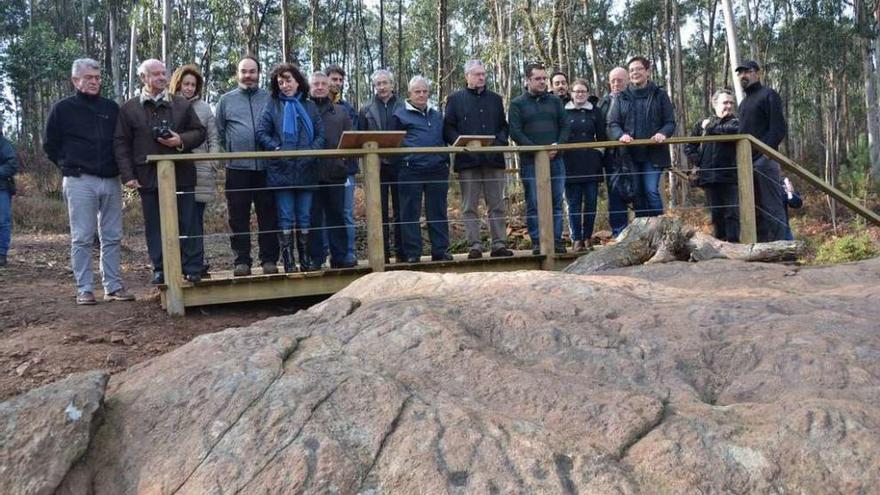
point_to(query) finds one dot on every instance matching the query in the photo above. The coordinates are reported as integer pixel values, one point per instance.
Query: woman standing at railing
(188, 82)
(583, 168)
(716, 164)
(291, 122)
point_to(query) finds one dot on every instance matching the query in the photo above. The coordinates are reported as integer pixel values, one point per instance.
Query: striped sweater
(537, 119)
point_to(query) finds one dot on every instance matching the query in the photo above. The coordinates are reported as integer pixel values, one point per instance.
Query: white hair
(419, 79)
(81, 64)
(721, 92)
(381, 72)
(472, 64)
(142, 69)
(317, 75)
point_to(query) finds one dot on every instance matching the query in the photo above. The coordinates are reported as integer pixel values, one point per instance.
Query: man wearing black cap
(761, 116)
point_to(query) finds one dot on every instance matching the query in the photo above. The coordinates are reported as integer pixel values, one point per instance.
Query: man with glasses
(537, 118)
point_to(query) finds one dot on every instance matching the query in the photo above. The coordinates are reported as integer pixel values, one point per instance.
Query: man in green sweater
(537, 117)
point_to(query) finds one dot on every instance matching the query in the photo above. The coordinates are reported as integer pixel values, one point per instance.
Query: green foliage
(855, 172)
(852, 247)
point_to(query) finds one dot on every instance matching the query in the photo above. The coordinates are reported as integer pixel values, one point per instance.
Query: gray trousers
(770, 213)
(94, 204)
(490, 183)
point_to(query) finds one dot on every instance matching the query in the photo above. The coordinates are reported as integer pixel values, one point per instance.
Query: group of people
(304, 205)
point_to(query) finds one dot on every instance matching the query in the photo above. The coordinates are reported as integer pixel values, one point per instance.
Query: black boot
(302, 245)
(285, 239)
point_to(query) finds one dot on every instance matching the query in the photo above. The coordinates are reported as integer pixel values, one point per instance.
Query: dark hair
(638, 58)
(532, 66)
(334, 69)
(558, 73)
(251, 57)
(180, 73)
(295, 72)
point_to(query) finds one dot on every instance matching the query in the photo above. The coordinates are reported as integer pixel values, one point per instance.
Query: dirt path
(44, 336)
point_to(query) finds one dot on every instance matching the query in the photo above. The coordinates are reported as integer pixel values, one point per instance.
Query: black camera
(163, 130)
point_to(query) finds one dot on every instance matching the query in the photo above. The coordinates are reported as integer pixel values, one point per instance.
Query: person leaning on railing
(618, 210)
(716, 166)
(644, 111)
(291, 122)
(188, 82)
(583, 168)
(422, 175)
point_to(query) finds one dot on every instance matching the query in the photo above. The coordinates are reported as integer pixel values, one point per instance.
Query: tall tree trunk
(86, 35)
(441, 49)
(536, 36)
(872, 113)
(166, 33)
(732, 45)
(285, 32)
(708, 79)
(681, 115)
(399, 43)
(313, 32)
(382, 33)
(132, 50)
(750, 30)
(114, 52)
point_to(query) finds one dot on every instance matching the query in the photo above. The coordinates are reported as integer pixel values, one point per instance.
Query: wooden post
(373, 196)
(170, 238)
(545, 208)
(748, 233)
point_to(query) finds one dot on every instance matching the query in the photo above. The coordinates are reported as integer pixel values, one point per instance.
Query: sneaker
(559, 248)
(269, 268)
(119, 295)
(501, 252)
(242, 270)
(441, 257)
(475, 253)
(86, 299)
(158, 278)
(193, 278)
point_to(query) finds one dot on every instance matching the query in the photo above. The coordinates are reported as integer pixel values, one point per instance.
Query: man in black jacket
(79, 140)
(760, 114)
(477, 111)
(618, 211)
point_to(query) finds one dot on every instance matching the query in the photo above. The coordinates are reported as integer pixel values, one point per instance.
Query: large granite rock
(44, 432)
(715, 377)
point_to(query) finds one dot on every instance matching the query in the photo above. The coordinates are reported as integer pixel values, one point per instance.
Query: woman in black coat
(583, 168)
(717, 166)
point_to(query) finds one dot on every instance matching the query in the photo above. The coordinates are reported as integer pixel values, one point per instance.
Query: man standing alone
(760, 114)
(79, 140)
(238, 113)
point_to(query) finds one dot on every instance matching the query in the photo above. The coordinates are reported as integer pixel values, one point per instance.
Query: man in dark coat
(716, 165)
(475, 110)
(377, 116)
(337, 84)
(760, 114)
(618, 211)
(158, 123)
(644, 111)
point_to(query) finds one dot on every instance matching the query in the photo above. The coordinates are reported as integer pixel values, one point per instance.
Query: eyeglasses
(580, 92)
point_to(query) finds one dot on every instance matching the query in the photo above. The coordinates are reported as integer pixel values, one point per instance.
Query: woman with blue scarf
(289, 122)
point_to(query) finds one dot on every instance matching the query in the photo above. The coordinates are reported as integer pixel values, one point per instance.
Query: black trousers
(328, 221)
(770, 211)
(239, 206)
(192, 258)
(390, 208)
(723, 203)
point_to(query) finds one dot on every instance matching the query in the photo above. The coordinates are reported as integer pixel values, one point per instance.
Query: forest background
(821, 55)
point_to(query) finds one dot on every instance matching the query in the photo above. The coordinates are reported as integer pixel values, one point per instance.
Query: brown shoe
(86, 299)
(119, 295)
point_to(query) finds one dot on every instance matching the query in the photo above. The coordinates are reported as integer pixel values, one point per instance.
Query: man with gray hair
(79, 140)
(158, 123)
(376, 116)
(475, 110)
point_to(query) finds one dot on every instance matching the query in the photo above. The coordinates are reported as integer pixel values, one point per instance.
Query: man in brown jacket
(155, 123)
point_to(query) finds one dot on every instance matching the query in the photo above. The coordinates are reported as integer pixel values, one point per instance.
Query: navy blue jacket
(423, 128)
(79, 136)
(8, 165)
(641, 113)
(469, 112)
(290, 171)
(587, 126)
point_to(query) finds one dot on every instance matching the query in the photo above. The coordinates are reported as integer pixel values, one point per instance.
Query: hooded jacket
(641, 113)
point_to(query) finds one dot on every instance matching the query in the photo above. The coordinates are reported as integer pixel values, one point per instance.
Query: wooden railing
(174, 280)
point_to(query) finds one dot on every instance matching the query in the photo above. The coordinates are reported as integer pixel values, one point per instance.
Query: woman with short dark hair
(291, 122)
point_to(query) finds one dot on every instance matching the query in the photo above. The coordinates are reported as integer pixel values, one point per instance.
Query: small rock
(72, 337)
(118, 338)
(117, 359)
(23, 368)
(98, 339)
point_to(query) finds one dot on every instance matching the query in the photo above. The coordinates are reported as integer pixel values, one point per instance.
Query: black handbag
(621, 179)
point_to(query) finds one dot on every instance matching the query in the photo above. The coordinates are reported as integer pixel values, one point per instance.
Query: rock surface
(711, 377)
(44, 432)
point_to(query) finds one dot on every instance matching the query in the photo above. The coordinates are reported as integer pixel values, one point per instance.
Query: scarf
(290, 124)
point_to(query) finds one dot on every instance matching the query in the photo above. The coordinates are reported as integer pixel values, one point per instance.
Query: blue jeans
(530, 188)
(618, 214)
(649, 203)
(434, 187)
(348, 214)
(5, 221)
(581, 197)
(294, 209)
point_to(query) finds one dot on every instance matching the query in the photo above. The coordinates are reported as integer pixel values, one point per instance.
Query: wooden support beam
(545, 208)
(170, 238)
(373, 197)
(748, 233)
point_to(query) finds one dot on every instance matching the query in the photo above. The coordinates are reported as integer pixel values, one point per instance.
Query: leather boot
(285, 238)
(302, 246)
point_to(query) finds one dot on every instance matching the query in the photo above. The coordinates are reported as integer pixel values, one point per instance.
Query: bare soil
(45, 336)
